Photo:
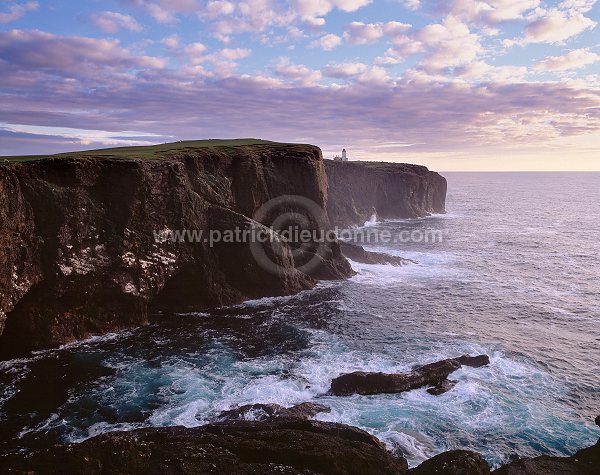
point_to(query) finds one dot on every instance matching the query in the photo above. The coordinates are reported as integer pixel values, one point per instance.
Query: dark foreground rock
(454, 462)
(261, 412)
(236, 448)
(357, 190)
(278, 445)
(434, 374)
(584, 462)
(359, 254)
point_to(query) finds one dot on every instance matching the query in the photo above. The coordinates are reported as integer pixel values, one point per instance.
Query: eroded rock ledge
(434, 375)
(360, 254)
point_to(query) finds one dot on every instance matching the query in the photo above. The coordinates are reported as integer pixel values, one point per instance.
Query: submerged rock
(359, 254)
(433, 374)
(275, 447)
(454, 462)
(261, 412)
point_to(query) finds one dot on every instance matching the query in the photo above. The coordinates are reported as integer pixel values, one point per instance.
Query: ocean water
(516, 276)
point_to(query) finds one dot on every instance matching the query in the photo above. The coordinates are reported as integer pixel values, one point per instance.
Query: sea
(515, 275)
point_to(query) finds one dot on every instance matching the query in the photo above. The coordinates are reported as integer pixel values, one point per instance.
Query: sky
(450, 84)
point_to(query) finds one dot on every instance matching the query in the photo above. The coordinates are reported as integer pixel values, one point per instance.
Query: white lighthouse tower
(343, 158)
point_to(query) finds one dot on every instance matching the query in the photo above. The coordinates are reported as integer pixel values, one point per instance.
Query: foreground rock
(359, 254)
(236, 448)
(454, 462)
(262, 412)
(357, 190)
(434, 374)
(584, 462)
(78, 242)
(274, 446)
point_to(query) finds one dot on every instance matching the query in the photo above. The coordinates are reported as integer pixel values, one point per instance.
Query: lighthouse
(343, 158)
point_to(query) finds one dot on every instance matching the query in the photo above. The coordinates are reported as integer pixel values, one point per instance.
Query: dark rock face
(78, 252)
(234, 448)
(584, 462)
(455, 462)
(359, 254)
(357, 190)
(262, 412)
(443, 387)
(434, 374)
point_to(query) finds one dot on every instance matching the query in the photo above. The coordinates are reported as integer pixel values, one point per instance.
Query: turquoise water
(516, 277)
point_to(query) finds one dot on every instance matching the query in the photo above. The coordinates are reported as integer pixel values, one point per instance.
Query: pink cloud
(17, 11)
(112, 22)
(38, 50)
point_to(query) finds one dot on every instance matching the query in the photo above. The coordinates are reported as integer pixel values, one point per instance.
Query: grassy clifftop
(153, 151)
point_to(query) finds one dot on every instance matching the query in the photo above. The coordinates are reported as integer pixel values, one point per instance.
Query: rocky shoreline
(276, 444)
(271, 439)
(80, 258)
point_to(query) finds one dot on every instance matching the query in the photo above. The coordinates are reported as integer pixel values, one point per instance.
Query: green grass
(147, 152)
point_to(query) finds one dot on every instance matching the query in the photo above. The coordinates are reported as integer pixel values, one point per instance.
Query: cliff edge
(357, 190)
(78, 248)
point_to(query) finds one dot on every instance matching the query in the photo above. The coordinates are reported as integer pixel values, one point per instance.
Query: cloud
(297, 73)
(557, 26)
(327, 42)
(489, 12)
(376, 76)
(359, 33)
(442, 117)
(312, 10)
(344, 70)
(448, 44)
(112, 22)
(172, 42)
(390, 58)
(579, 5)
(480, 71)
(217, 8)
(195, 52)
(165, 11)
(69, 55)
(17, 11)
(575, 59)
(554, 26)
(249, 16)
(412, 5)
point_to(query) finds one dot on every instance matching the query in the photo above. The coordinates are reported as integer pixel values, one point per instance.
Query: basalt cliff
(358, 190)
(79, 253)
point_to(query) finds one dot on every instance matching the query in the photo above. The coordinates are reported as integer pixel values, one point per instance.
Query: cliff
(357, 190)
(78, 251)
